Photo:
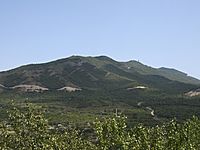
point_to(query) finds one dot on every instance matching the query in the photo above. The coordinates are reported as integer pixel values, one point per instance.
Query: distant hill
(96, 73)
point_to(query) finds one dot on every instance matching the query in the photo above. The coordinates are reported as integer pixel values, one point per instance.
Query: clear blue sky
(156, 32)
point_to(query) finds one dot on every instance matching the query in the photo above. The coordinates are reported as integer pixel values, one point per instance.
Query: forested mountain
(97, 73)
(79, 89)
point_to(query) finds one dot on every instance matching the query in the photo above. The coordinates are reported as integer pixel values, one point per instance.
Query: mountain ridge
(95, 73)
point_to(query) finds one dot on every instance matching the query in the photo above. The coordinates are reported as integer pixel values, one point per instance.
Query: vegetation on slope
(172, 74)
(94, 72)
(28, 129)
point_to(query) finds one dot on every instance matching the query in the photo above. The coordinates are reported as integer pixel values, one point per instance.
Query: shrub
(27, 128)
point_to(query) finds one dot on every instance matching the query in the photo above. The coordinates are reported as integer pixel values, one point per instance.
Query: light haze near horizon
(159, 33)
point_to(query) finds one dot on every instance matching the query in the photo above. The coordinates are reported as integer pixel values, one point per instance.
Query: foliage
(27, 128)
(111, 133)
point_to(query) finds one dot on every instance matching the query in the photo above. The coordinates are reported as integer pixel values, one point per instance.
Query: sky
(158, 33)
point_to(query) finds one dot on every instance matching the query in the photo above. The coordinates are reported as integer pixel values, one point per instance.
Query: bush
(27, 128)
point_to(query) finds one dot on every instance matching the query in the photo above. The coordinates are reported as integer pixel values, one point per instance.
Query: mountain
(82, 88)
(96, 73)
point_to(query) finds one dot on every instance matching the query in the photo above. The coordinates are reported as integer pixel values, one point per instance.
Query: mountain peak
(102, 57)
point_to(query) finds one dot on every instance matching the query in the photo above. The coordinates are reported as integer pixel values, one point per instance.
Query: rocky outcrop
(29, 88)
(193, 93)
(69, 89)
(137, 87)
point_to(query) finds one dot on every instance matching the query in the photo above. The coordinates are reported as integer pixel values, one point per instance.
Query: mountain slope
(178, 76)
(96, 86)
(73, 71)
(96, 73)
(172, 74)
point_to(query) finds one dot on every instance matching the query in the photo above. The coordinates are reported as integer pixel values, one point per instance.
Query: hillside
(96, 73)
(172, 74)
(79, 89)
